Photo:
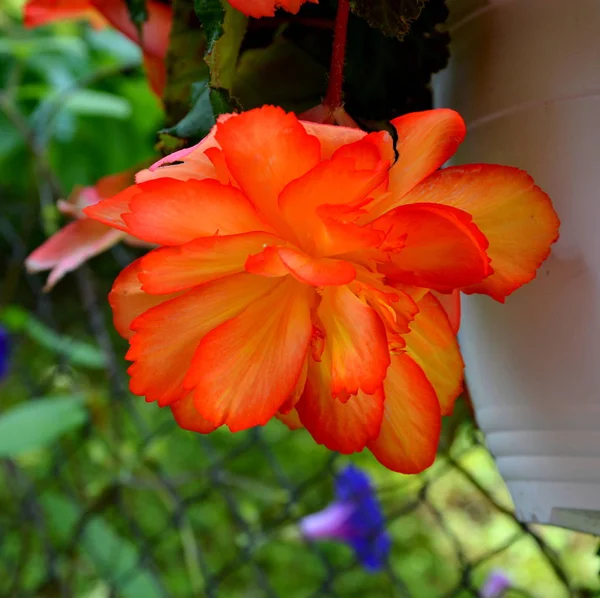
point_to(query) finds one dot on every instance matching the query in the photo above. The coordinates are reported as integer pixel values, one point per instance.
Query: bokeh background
(102, 495)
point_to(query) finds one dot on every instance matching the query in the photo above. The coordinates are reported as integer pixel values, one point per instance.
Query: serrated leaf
(223, 57)
(207, 104)
(185, 65)
(200, 119)
(116, 559)
(280, 74)
(211, 14)
(138, 11)
(38, 422)
(393, 17)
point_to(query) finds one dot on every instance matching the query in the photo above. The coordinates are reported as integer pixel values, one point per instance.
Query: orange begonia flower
(154, 41)
(267, 8)
(83, 238)
(299, 274)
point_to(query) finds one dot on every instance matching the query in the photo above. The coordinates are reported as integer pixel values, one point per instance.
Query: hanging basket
(525, 75)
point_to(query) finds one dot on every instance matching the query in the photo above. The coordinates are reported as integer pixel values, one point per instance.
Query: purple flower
(495, 585)
(4, 352)
(355, 517)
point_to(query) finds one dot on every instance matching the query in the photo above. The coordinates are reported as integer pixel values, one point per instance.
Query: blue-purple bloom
(4, 352)
(495, 585)
(355, 517)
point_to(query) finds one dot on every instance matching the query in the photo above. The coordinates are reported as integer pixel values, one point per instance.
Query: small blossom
(83, 238)
(495, 585)
(154, 40)
(299, 274)
(4, 352)
(355, 518)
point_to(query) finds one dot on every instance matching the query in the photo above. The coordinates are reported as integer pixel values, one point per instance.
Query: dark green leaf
(115, 559)
(79, 353)
(383, 77)
(223, 57)
(280, 74)
(185, 64)
(211, 14)
(200, 119)
(38, 422)
(138, 12)
(393, 17)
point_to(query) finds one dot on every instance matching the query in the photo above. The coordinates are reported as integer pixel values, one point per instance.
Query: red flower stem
(333, 99)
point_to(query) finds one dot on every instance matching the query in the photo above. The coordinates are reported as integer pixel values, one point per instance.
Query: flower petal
(266, 8)
(332, 137)
(171, 212)
(265, 149)
(356, 338)
(41, 12)
(451, 304)
(278, 261)
(187, 417)
(70, 247)
(432, 344)
(167, 335)
(291, 419)
(128, 301)
(344, 427)
(410, 431)
(244, 370)
(514, 214)
(110, 211)
(171, 269)
(425, 141)
(440, 247)
(335, 182)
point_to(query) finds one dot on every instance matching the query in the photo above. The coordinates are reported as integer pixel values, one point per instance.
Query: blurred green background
(102, 495)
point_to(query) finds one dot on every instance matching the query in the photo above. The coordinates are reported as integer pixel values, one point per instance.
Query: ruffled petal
(514, 214)
(279, 261)
(335, 182)
(110, 211)
(70, 247)
(332, 137)
(42, 12)
(410, 431)
(291, 419)
(172, 269)
(265, 149)
(432, 344)
(167, 335)
(171, 212)
(432, 246)
(266, 8)
(425, 141)
(356, 338)
(451, 304)
(188, 163)
(345, 427)
(186, 416)
(128, 301)
(244, 370)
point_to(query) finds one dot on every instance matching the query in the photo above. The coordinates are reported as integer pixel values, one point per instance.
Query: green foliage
(211, 14)
(138, 11)
(222, 56)
(77, 352)
(38, 423)
(114, 557)
(392, 17)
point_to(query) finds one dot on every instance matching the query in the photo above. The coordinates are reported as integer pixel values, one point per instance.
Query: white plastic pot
(525, 75)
